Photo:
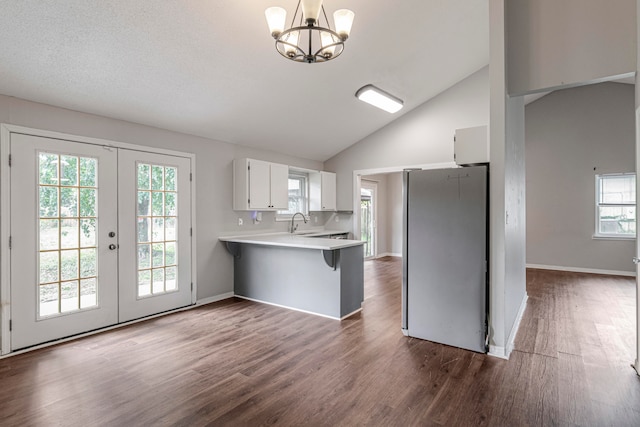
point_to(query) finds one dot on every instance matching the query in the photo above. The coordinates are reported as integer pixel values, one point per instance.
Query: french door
(155, 241)
(99, 235)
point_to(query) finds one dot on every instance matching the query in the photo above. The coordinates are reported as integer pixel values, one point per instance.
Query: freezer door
(446, 248)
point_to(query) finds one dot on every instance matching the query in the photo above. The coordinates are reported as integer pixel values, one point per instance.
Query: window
(298, 194)
(616, 205)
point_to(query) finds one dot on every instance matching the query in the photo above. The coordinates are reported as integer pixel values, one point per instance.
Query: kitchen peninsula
(312, 274)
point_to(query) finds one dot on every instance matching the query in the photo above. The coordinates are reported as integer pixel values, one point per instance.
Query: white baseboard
(505, 352)
(497, 351)
(516, 325)
(389, 254)
(583, 270)
(213, 299)
(297, 309)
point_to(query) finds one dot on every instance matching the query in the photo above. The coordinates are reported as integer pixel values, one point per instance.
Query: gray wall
(568, 134)
(214, 159)
(555, 43)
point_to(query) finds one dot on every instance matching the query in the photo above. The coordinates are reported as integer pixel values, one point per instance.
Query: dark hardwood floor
(241, 363)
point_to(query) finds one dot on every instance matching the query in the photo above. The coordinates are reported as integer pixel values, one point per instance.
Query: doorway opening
(368, 218)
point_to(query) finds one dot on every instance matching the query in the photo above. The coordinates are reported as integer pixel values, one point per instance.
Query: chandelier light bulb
(291, 38)
(343, 20)
(327, 39)
(311, 10)
(276, 17)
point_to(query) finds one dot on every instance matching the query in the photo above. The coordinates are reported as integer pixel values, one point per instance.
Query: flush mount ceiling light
(308, 41)
(379, 98)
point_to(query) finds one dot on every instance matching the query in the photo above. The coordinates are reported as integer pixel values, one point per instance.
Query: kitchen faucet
(293, 228)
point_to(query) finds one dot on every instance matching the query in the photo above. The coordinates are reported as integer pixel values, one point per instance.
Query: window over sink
(298, 185)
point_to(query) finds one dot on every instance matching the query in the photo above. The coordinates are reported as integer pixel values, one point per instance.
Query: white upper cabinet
(259, 185)
(279, 186)
(322, 191)
(471, 146)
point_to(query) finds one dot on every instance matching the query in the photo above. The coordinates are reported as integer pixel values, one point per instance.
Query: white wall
(214, 159)
(556, 43)
(424, 135)
(572, 135)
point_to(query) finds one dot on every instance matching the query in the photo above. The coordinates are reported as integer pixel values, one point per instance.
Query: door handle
(112, 234)
(112, 246)
(636, 260)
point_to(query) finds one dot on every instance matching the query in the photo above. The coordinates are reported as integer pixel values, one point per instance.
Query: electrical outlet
(240, 222)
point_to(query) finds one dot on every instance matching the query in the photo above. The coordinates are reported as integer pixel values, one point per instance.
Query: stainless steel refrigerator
(445, 256)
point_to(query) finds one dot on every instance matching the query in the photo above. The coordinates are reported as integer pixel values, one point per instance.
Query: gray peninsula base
(301, 279)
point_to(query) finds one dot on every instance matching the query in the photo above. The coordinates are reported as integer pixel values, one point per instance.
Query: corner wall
(572, 135)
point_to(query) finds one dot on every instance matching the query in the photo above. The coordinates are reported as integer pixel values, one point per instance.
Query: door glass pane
(69, 233)
(88, 293)
(68, 197)
(87, 232)
(48, 202)
(68, 170)
(157, 229)
(88, 172)
(69, 263)
(49, 234)
(70, 296)
(144, 283)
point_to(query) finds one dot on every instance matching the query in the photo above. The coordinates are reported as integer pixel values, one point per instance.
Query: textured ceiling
(209, 68)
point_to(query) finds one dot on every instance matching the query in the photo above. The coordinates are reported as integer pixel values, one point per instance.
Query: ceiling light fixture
(308, 41)
(379, 98)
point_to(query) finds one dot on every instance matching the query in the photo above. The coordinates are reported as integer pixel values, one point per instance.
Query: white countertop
(294, 240)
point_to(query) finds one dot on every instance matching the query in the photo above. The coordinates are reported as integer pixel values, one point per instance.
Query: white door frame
(5, 210)
(373, 186)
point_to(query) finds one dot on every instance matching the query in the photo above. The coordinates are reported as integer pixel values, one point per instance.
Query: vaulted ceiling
(209, 67)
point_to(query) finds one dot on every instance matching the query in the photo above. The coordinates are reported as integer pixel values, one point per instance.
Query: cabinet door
(259, 184)
(279, 186)
(328, 191)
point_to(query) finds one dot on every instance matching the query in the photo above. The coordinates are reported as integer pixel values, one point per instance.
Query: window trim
(610, 236)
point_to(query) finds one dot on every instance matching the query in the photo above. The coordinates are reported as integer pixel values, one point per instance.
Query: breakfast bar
(312, 274)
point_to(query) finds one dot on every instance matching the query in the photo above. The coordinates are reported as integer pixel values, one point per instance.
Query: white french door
(99, 236)
(63, 209)
(155, 241)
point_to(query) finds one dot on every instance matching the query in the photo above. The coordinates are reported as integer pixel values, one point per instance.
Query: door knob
(636, 260)
(112, 234)
(112, 246)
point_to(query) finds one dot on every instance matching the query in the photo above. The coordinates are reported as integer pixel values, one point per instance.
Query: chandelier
(308, 41)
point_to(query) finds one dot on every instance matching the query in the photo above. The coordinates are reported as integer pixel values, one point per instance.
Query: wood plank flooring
(242, 363)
